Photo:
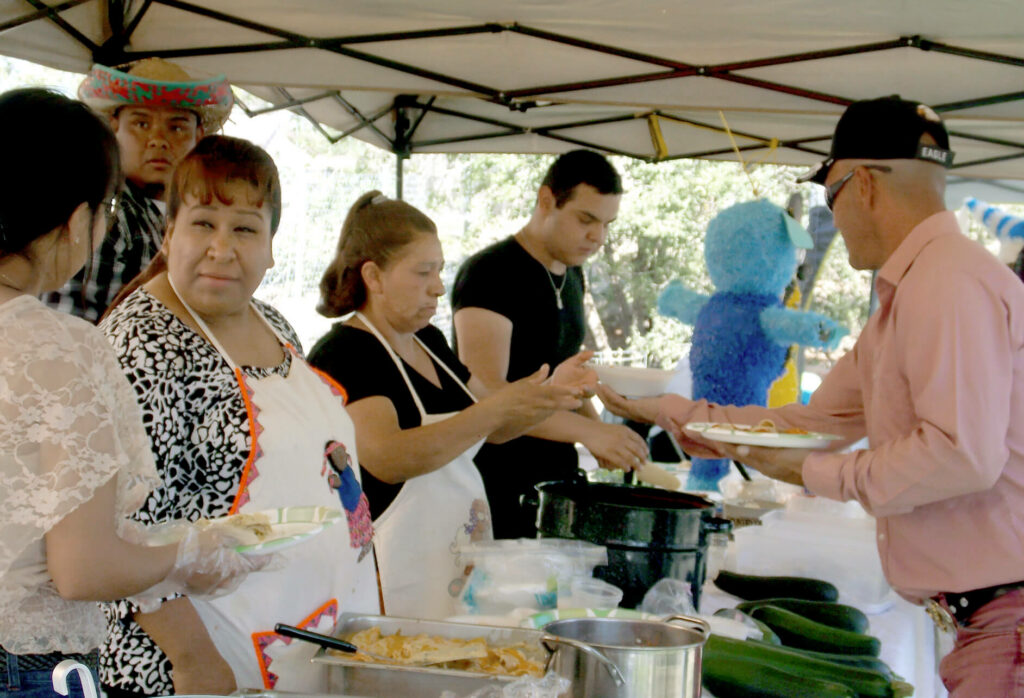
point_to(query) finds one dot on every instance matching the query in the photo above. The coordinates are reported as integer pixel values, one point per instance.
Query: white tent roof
(768, 78)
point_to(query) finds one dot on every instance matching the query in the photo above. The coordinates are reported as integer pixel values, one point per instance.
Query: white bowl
(633, 381)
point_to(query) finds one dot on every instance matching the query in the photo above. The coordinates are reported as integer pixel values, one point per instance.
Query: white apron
(415, 537)
(298, 428)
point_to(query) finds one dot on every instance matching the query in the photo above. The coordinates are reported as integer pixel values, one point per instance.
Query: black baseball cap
(887, 128)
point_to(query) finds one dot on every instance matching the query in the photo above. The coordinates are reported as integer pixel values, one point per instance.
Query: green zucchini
(731, 677)
(737, 615)
(860, 661)
(767, 634)
(835, 614)
(750, 587)
(796, 631)
(865, 683)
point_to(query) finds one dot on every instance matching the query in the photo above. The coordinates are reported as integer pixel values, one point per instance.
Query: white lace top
(68, 423)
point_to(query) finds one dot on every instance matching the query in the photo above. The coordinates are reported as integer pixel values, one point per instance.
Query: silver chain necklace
(557, 289)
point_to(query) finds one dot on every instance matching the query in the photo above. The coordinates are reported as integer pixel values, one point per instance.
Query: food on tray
(765, 426)
(249, 529)
(510, 660)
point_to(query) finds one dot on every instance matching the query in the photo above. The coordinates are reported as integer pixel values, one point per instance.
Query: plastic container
(522, 573)
(589, 592)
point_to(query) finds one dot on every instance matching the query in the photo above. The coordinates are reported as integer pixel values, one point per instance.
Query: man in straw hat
(936, 383)
(158, 113)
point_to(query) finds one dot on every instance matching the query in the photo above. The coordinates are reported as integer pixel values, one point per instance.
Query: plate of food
(634, 381)
(764, 433)
(265, 532)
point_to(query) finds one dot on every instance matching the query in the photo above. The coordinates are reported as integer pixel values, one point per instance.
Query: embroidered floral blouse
(68, 424)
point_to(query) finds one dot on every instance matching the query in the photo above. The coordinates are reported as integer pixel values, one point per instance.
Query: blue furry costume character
(742, 332)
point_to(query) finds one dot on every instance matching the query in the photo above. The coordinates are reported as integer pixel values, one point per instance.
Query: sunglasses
(832, 190)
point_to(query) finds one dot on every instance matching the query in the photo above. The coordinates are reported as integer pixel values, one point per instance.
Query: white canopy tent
(652, 79)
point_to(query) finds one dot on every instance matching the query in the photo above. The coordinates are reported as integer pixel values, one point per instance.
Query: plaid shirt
(126, 251)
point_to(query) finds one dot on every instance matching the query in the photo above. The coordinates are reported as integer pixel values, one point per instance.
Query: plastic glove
(207, 565)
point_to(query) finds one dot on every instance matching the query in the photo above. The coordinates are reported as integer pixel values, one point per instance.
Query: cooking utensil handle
(698, 623)
(322, 640)
(588, 650)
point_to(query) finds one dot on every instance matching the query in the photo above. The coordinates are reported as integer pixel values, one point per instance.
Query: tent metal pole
(399, 174)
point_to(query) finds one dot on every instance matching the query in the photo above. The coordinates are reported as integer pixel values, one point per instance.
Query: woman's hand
(575, 372)
(206, 564)
(616, 446)
(644, 410)
(530, 400)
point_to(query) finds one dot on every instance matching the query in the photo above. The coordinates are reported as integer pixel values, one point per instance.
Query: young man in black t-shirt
(518, 304)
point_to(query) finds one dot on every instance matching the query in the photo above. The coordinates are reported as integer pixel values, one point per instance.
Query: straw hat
(154, 82)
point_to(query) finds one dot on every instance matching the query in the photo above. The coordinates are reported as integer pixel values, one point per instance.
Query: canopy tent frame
(114, 51)
(490, 111)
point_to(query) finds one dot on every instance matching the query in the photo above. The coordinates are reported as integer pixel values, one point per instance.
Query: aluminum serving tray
(363, 679)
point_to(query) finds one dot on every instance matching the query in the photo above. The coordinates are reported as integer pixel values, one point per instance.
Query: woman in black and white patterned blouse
(239, 423)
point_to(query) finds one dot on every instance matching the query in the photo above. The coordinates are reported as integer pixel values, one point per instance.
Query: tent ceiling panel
(526, 76)
(164, 27)
(307, 67)
(44, 41)
(521, 143)
(693, 92)
(900, 71)
(494, 66)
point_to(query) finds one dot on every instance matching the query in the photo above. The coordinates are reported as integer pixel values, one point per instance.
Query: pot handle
(586, 649)
(696, 623)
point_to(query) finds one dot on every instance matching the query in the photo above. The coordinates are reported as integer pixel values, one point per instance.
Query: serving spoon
(429, 657)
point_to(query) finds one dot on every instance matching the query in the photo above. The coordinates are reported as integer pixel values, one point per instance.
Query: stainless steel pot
(625, 658)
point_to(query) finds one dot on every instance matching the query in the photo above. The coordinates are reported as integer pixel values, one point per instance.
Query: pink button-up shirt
(936, 383)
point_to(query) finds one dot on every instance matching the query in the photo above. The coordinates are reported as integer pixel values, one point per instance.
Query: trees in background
(478, 198)
(659, 236)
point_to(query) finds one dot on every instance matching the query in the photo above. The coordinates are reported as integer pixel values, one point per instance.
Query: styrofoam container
(635, 381)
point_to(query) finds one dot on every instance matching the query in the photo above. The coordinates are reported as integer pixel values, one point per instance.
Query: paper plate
(539, 620)
(738, 434)
(288, 526)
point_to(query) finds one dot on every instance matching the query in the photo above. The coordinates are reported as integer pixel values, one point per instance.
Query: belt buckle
(941, 616)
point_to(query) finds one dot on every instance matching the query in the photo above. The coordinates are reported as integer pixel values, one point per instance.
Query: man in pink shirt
(936, 383)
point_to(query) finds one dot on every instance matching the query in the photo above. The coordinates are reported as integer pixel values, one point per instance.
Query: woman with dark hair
(239, 424)
(74, 457)
(419, 414)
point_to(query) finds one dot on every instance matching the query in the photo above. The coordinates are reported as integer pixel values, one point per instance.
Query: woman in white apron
(415, 406)
(294, 445)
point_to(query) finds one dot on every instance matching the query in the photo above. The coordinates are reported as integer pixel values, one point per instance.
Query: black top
(360, 363)
(505, 279)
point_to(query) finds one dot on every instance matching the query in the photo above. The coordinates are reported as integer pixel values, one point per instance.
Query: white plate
(288, 526)
(718, 432)
(634, 381)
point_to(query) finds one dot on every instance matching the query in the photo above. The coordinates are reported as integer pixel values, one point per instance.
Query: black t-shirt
(363, 367)
(505, 279)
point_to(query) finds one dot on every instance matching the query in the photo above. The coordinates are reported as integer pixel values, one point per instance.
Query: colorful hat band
(106, 88)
